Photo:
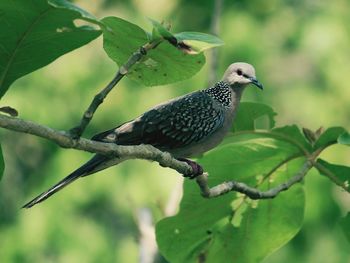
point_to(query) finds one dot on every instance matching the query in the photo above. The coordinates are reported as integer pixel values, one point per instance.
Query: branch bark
(77, 131)
(148, 152)
(251, 192)
(63, 139)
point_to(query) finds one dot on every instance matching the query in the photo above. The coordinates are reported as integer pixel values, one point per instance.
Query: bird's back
(175, 125)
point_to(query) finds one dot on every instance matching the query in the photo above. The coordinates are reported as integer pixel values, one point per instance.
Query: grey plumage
(185, 126)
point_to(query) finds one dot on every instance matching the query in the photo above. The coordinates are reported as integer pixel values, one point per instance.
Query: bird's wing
(179, 123)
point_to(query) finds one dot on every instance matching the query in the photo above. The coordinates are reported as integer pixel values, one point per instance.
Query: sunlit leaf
(249, 112)
(162, 65)
(35, 33)
(344, 138)
(329, 136)
(221, 237)
(199, 41)
(292, 134)
(339, 174)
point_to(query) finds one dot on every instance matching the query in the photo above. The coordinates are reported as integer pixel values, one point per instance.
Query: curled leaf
(9, 110)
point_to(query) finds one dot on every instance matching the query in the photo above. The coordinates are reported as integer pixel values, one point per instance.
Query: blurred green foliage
(300, 52)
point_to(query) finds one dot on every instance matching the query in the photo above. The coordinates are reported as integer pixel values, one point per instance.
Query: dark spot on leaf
(139, 76)
(155, 70)
(165, 74)
(202, 257)
(209, 232)
(199, 61)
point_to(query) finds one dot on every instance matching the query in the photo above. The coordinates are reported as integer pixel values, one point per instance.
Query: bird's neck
(225, 94)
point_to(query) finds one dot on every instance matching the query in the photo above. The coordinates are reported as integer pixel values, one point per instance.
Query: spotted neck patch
(221, 92)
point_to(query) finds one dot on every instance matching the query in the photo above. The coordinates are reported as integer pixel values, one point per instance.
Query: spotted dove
(185, 126)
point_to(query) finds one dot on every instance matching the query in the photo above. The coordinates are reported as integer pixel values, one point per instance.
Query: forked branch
(149, 152)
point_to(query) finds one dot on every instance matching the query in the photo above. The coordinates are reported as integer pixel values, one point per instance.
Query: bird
(186, 126)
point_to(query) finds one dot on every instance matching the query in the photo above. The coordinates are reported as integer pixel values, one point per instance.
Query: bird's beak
(256, 82)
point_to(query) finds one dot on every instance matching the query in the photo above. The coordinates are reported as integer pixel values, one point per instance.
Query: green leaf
(344, 138)
(345, 225)
(2, 163)
(249, 112)
(35, 33)
(121, 38)
(264, 226)
(248, 155)
(69, 6)
(162, 65)
(293, 134)
(231, 225)
(329, 137)
(339, 174)
(199, 41)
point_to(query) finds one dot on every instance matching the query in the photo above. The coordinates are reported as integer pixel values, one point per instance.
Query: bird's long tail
(90, 167)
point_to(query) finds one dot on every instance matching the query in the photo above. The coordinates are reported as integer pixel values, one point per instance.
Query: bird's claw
(196, 168)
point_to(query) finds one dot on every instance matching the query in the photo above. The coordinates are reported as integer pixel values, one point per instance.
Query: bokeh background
(301, 52)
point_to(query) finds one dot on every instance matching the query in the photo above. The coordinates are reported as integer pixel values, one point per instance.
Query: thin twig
(251, 192)
(214, 54)
(77, 131)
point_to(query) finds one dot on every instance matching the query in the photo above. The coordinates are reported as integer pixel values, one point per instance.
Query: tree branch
(63, 139)
(148, 152)
(77, 131)
(251, 192)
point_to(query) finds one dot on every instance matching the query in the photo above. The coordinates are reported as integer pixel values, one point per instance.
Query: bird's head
(241, 74)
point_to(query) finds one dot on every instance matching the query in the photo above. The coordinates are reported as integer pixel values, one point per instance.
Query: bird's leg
(196, 168)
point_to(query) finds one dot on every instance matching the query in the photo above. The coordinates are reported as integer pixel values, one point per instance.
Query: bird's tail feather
(84, 170)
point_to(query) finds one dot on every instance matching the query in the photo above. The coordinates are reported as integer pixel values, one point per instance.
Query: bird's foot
(196, 168)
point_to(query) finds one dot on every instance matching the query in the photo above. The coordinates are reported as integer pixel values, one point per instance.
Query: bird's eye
(239, 72)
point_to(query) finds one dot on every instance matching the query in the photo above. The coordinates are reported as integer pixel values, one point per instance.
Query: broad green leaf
(248, 155)
(292, 134)
(345, 225)
(121, 38)
(329, 137)
(257, 160)
(35, 33)
(199, 41)
(2, 163)
(344, 138)
(339, 174)
(264, 226)
(69, 6)
(162, 65)
(249, 112)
